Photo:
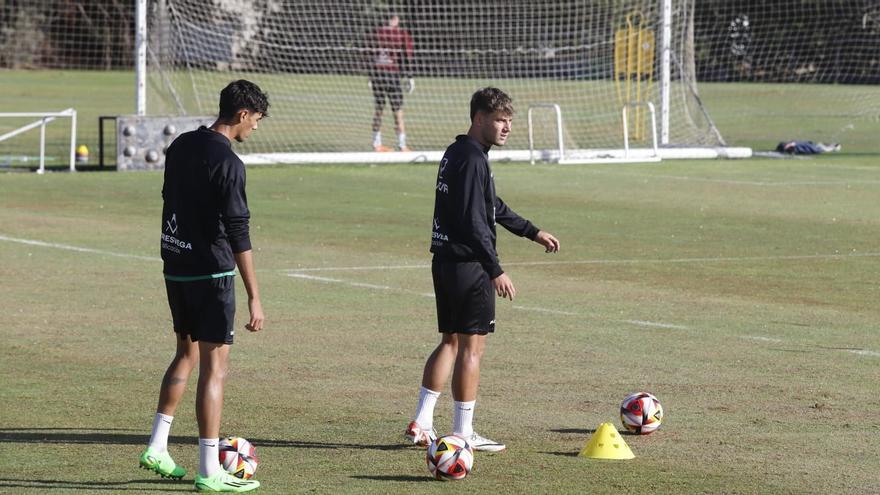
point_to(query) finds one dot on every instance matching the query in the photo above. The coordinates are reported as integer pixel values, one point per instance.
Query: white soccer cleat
(484, 444)
(418, 436)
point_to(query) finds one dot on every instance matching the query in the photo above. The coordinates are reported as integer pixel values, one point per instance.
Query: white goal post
(590, 58)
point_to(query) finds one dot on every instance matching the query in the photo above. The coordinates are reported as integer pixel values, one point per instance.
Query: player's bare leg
(377, 135)
(465, 382)
(177, 375)
(440, 362)
(466, 374)
(156, 457)
(213, 366)
(400, 128)
(437, 368)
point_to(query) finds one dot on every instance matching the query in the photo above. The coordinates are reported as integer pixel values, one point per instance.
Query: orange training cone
(606, 443)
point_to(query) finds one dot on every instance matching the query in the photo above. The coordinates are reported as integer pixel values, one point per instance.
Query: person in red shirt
(391, 52)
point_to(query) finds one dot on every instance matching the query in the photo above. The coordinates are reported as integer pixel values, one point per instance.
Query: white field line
(291, 271)
(545, 310)
(720, 259)
(865, 352)
(68, 247)
(759, 183)
(643, 323)
(634, 261)
(361, 285)
(772, 340)
(761, 339)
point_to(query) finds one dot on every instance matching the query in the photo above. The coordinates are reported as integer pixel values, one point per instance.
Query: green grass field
(742, 293)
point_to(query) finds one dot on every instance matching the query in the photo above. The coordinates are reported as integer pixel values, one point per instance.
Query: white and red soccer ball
(641, 413)
(450, 457)
(238, 457)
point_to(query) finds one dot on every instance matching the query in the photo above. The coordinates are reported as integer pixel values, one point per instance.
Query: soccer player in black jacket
(465, 268)
(205, 234)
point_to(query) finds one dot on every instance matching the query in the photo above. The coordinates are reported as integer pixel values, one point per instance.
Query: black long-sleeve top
(205, 216)
(466, 208)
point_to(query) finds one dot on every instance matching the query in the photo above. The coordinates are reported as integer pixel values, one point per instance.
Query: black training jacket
(205, 214)
(466, 208)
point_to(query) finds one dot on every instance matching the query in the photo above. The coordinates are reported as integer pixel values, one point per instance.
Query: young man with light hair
(465, 268)
(205, 235)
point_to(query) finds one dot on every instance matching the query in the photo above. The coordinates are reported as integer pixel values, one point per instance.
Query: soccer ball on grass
(450, 458)
(641, 413)
(238, 457)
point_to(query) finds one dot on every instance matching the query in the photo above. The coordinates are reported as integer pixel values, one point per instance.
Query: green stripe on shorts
(193, 278)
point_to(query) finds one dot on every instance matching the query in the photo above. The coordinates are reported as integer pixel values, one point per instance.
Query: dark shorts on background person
(203, 309)
(465, 297)
(384, 84)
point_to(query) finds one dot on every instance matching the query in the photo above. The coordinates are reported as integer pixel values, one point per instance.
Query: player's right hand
(410, 85)
(504, 286)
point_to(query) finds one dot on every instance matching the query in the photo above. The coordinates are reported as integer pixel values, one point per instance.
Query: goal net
(791, 69)
(315, 57)
(762, 72)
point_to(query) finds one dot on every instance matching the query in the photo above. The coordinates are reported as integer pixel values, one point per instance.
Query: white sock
(161, 429)
(425, 410)
(209, 457)
(463, 418)
(401, 140)
(377, 138)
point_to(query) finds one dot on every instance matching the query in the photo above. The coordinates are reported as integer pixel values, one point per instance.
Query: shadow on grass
(112, 486)
(561, 454)
(577, 431)
(302, 444)
(590, 431)
(392, 477)
(100, 436)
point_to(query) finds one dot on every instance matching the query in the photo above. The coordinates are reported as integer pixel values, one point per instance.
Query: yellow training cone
(606, 443)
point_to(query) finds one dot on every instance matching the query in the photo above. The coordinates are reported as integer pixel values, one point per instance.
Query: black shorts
(465, 298)
(387, 84)
(203, 309)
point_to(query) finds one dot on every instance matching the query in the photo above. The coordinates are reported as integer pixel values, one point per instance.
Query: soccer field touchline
(654, 324)
(720, 259)
(290, 271)
(68, 247)
(362, 285)
(296, 273)
(771, 340)
(641, 323)
(759, 183)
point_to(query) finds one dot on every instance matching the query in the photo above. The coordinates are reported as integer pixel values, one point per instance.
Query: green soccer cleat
(225, 482)
(162, 464)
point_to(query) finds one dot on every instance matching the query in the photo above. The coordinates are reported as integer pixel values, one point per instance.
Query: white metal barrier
(558, 112)
(45, 118)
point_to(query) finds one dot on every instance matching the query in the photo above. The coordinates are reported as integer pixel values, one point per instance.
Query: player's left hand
(257, 318)
(546, 239)
(410, 85)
